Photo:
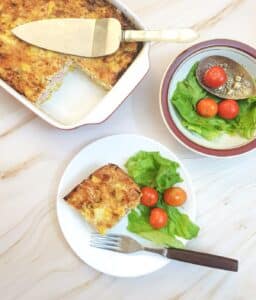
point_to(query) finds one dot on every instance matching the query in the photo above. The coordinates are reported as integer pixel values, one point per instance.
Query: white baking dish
(79, 101)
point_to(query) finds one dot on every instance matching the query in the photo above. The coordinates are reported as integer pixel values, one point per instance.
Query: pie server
(92, 37)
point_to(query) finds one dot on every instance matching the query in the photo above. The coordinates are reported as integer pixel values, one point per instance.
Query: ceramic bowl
(225, 145)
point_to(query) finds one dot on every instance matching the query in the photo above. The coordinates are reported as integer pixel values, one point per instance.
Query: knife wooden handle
(172, 35)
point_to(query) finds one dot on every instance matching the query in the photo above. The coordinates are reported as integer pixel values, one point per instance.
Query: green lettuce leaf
(245, 123)
(186, 95)
(151, 169)
(179, 223)
(184, 227)
(138, 223)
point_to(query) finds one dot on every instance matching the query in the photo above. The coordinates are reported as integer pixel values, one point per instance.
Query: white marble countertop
(35, 260)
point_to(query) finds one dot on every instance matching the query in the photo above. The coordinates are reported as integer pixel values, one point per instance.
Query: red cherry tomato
(228, 109)
(207, 108)
(158, 218)
(175, 196)
(215, 77)
(149, 196)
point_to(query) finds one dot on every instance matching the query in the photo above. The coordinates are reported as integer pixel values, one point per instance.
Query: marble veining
(36, 262)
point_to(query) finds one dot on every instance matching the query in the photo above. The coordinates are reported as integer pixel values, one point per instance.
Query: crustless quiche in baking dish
(36, 73)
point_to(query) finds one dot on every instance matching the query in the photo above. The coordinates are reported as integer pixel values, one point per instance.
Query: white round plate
(113, 149)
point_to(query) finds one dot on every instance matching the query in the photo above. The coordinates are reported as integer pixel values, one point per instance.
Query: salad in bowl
(203, 122)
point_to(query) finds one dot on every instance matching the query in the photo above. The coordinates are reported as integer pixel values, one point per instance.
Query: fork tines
(108, 242)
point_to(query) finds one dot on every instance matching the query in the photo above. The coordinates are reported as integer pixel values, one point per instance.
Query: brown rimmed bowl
(225, 145)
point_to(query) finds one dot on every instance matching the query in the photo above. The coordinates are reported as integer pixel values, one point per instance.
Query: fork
(125, 244)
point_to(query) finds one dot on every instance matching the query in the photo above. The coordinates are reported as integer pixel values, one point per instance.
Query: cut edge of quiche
(55, 82)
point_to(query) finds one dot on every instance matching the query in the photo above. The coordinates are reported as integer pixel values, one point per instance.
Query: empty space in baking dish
(76, 97)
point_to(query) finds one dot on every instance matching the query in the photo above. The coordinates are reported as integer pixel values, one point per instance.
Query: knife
(92, 37)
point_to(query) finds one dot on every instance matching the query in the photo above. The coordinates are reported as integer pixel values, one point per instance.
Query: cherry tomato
(228, 109)
(149, 196)
(175, 196)
(215, 77)
(207, 108)
(158, 218)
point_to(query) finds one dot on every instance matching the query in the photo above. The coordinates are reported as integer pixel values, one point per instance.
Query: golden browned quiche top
(105, 197)
(30, 70)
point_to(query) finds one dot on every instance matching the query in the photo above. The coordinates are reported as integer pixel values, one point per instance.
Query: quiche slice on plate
(105, 197)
